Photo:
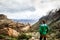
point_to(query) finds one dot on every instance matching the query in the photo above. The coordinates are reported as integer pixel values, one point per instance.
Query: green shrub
(2, 36)
(6, 37)
(10, 38)
(24, 36)
(14, 39)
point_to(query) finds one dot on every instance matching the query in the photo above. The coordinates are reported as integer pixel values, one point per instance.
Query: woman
(43, 29)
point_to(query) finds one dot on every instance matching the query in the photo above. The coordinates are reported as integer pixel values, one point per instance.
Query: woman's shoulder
(43, 24)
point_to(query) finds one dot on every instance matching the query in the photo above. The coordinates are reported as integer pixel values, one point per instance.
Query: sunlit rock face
(26, 28)
(11, 32)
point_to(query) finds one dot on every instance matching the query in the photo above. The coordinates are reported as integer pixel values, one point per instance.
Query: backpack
(43, 29)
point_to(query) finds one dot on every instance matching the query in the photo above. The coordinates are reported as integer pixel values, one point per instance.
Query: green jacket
(43, 29)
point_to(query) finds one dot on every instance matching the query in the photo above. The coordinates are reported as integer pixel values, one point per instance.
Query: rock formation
(8, 25)
(2, 16)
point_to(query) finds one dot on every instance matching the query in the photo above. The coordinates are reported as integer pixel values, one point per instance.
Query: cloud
(27, 9)
(15, 6)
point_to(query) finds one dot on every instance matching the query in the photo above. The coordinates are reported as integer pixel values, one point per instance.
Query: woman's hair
(43, 21)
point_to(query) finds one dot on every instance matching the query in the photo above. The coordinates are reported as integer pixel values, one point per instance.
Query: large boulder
(12, 32)
(26, 28)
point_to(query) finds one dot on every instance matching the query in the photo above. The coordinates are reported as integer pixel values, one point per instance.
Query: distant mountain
(25, 21)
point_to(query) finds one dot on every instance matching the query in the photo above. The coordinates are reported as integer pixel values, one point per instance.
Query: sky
(27, 9)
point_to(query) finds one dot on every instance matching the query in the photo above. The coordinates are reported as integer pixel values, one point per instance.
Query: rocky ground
(36, 36)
